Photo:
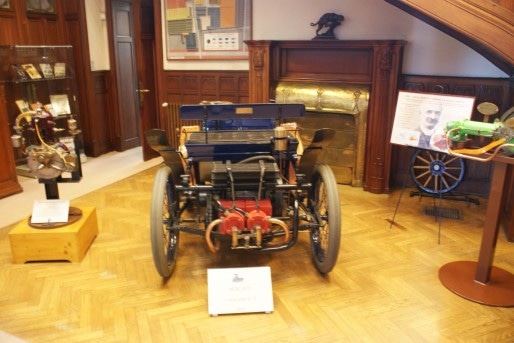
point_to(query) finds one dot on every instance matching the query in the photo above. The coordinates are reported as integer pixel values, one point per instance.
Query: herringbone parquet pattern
(385, 287)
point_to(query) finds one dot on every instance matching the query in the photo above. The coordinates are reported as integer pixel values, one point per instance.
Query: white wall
(97, 35)
(428, 51)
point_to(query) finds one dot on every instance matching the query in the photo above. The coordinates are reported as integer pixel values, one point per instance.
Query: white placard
(420, 119)
(50, 211)
(239, 290)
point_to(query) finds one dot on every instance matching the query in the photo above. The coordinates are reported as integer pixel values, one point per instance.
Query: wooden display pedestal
(68, 243)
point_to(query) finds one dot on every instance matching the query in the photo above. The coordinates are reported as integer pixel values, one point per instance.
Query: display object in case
(43, 111)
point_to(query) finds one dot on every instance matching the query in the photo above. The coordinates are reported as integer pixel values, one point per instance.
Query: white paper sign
(239, 290)
(420, 119)
(50, 211)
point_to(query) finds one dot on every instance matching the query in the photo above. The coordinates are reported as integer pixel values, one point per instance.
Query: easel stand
(481, 281)
(448, 196)
(437, 212)
(435, 169)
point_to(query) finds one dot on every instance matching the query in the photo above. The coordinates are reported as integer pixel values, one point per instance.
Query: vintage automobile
(243, 180)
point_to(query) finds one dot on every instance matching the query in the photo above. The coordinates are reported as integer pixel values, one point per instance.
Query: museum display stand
(63, 243)
(40, 79)
(481, 281)
(42, 111)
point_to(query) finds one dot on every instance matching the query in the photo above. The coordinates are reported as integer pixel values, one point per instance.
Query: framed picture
(40, 6)
(31, 71)
(47, 70)
(5, 4)
(421, 118)
(60, 69)
(60, 104)
(23, 105)
(207, 29)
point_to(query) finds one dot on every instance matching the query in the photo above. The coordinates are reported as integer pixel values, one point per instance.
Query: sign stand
(239, 290)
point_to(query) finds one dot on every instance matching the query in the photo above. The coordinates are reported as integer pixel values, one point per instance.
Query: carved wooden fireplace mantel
(374, 63)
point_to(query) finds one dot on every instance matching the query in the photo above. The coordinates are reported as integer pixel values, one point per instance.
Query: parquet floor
(385, 286)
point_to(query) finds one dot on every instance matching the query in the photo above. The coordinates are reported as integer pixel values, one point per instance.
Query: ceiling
(484, 25)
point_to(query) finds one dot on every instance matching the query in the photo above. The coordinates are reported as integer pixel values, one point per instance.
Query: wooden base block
(68, 243)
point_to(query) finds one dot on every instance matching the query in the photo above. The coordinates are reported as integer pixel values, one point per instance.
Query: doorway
(133, 59)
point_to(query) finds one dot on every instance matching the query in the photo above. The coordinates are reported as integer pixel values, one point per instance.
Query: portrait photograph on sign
(420, 118)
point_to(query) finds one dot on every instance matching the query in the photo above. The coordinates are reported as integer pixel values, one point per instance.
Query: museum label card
(409, 117)
(239, 290)
(50, 211)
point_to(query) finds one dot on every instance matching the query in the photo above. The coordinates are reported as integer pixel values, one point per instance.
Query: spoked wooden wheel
(164, 211)
(436, 172)
(324, 204)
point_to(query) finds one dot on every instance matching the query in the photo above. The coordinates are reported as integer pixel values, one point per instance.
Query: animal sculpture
(328, 21)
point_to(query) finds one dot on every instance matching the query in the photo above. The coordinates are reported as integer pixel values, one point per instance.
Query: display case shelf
(42, 110)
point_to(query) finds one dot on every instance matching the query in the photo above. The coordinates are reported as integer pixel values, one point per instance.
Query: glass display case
(42, 109)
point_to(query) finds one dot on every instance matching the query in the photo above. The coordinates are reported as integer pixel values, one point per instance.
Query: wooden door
(144, 25)
(128, 131)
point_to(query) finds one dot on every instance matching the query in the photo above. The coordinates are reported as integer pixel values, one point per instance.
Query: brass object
(333, 98)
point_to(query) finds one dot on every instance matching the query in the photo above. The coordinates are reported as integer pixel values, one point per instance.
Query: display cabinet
(42, 111)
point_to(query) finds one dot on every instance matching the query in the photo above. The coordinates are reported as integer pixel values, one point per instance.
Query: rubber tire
(325, 197)
(162, 217)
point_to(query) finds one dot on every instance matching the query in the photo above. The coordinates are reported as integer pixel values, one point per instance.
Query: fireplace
(342, 107)
(371, 66)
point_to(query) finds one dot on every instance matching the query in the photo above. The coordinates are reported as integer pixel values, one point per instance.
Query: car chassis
(244, 178)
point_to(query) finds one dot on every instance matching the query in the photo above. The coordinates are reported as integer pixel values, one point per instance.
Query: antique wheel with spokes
(436, 172)
(164, 213)
(324, 205)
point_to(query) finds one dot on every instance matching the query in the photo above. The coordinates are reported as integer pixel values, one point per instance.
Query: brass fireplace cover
(324, 97)
(338, 101)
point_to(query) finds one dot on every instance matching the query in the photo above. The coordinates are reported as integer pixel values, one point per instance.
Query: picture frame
(207, 29)
(60, 69)
(18, 73)
(23, 105)
(31, 71)
(47, 70)
(60, 104)
(5, 5)
(40, 6)
(421, 118)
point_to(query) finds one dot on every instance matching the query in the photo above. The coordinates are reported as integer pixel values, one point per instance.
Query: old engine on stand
(500, 132)
(51, 150)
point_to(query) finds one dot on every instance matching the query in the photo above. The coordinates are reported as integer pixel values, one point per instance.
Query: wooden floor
(384, 288)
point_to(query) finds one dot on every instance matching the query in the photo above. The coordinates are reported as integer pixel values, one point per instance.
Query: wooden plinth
(459, 277)
(68, 243)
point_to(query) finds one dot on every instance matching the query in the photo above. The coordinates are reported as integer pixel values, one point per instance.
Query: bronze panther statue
(329, 21)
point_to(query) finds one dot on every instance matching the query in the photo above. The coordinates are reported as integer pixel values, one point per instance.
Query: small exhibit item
(47, 70)
(31, 71)
(420, 119)
(50, 211)
(49, 108)
(23, 106)
(60, 104)
(17, 73)
(60, 69)
(239, 290)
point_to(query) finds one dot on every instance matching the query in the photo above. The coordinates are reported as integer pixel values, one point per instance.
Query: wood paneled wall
(192, 87)
(22, 27)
